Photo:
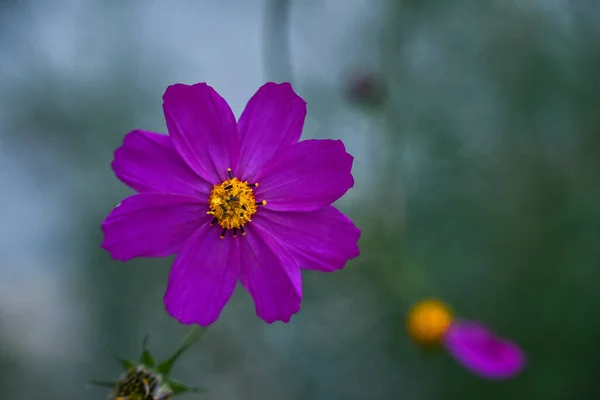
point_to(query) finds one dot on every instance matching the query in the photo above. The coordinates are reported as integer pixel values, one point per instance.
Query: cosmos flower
(234, 201)
(366, 89)
(473, 345)
(147, 379)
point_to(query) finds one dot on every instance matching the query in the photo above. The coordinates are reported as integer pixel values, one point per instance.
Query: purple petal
(203, 277)
(306, 176)
(203, 129)
(148, 162)
(321, 240)
(482, 352)
(272, 119)
(151, 225)
(270, 274)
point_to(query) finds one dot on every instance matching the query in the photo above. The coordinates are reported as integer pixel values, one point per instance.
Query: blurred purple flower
(366, 88)
(477, 348)
(206, 173)
(482, 352)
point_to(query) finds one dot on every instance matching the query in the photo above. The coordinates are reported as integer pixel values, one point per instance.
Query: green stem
(193, 335)
(276, 46)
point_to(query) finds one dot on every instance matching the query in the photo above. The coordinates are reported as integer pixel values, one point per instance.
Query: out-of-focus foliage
(482, 190)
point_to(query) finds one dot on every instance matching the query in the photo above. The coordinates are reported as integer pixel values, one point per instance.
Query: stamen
(232, 204)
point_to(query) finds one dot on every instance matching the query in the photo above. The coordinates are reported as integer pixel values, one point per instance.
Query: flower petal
(203, 277)
(270, 274)
(482, 352)
(203, 129)
(272, 119)
(306, 176)
(148, 162)
(151, 225)
(321, 240)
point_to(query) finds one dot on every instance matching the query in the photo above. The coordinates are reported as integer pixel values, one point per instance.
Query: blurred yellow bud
(428, 321)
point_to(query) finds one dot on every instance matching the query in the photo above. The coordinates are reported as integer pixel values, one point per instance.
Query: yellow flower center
(428, 321)
(232, 204)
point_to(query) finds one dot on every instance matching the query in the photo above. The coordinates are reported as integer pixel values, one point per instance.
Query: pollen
(138, 384)
(232, 204)
(428, 321)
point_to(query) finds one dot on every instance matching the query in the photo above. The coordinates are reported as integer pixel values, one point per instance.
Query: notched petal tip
(484, 353)
(272, 120)
(347, 158)
(148, 162)
(177, 87)
(323, 240)
(106, 244)
(281, 88)
(203, 129)
(202, 278)
(186, 319)
(151, 225)
(306, 176)
(271, 275)
(283, 317)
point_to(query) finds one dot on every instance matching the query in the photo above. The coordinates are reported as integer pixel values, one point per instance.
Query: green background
(476, 165)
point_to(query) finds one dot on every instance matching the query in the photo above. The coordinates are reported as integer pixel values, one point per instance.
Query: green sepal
(179, 387)
(164, 368)
(146, 357)
(105, 384)
(126, 364)
(169, 387)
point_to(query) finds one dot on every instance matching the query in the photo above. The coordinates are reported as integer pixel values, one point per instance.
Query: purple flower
(483, 353)
(366, 88)
(476, 347)
(234, 201)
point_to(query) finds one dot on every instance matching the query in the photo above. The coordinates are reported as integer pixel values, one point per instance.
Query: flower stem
(194, 334)
(276, 47)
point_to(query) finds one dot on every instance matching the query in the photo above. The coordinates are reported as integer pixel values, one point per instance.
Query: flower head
(479, 350)
(148, 380)
(476, 347)
(234, 201)
(367, 89)
(428, 321)
(140, 383)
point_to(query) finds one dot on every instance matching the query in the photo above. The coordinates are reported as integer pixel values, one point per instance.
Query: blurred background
(476, 135)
